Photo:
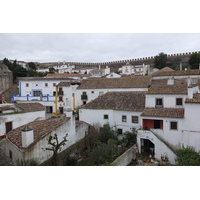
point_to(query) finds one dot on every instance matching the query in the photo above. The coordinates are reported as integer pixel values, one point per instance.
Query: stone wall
(6, 77)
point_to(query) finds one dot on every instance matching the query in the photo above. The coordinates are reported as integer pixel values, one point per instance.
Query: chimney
(27, 136)
(70, 114)
(170, 81)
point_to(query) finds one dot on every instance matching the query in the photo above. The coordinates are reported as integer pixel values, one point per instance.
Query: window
(179, 101)
(105, 116)
(193, 81)
(60, 98)
(27, 84)
(8, 126)
(92, 92)
(84, 93)
(37, 93)
(119, 131)
(159, 103)
(123, 118)
(135, 119)
(10, 154)
(54, 84)
(46, 84)
(173, 125)
(54, 93)
(84, 102)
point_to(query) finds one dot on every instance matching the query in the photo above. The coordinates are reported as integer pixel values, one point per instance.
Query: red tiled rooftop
(133, 101)
(40, 129)
(68, 75)
(123, 82)
(163, 112)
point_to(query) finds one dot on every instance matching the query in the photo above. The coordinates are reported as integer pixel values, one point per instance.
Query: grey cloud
(93, 47)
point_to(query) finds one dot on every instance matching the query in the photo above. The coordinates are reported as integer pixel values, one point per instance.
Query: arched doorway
(147, 148)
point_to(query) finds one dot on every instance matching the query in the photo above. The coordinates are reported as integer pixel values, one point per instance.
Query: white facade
(113, 75)
(60, 69)
(37, 152)
(135, 70)
(169, 101)
(94, 93)
(18, 119)
(115, 118)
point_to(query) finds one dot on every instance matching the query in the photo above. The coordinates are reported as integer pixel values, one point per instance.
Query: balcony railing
(84, 97)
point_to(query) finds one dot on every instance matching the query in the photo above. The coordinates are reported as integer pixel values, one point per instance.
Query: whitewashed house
(15, 115)
(65, 68)
(129, 69)
(90, 89)
(164, 118)
(121, 110)
(40, 89)
(97, 73)
(28, 143)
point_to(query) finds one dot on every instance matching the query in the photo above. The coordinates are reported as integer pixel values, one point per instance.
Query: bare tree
(56, 147)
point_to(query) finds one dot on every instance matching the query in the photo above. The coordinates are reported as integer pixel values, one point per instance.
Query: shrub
(107, 133)
(187, 157)
(104, 152)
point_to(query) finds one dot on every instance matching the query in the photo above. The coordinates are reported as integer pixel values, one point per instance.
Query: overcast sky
(93, 47)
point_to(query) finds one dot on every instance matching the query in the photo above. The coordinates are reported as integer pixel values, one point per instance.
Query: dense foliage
(160, 60)
(194, 61)
(107, 133)
(19, 71)
(187, 157)
(104, 152)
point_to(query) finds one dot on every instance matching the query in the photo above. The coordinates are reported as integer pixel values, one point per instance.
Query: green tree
(106, 133)
(187, 157)
(130, 138)
(160, 60)
(194, 61)
(52, 70)
(32, 66)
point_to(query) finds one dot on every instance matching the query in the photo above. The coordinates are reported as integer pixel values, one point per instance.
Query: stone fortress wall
(136, 61)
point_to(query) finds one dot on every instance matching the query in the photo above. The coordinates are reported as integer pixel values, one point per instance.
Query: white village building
(90, 89)
(15, 115)
(28, 143)
(121, 110)
(169, 119)
(129, 69)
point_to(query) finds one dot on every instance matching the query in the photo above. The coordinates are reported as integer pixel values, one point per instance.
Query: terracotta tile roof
(40, 129)
(30, 107)
(43, 78)
(103, 83)
(165, 69)
(161, 87)
(65, 84)
(68, 75)
(195, 99)
(7, 108)
(177, 73)
(133, 101)
(163, 112)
